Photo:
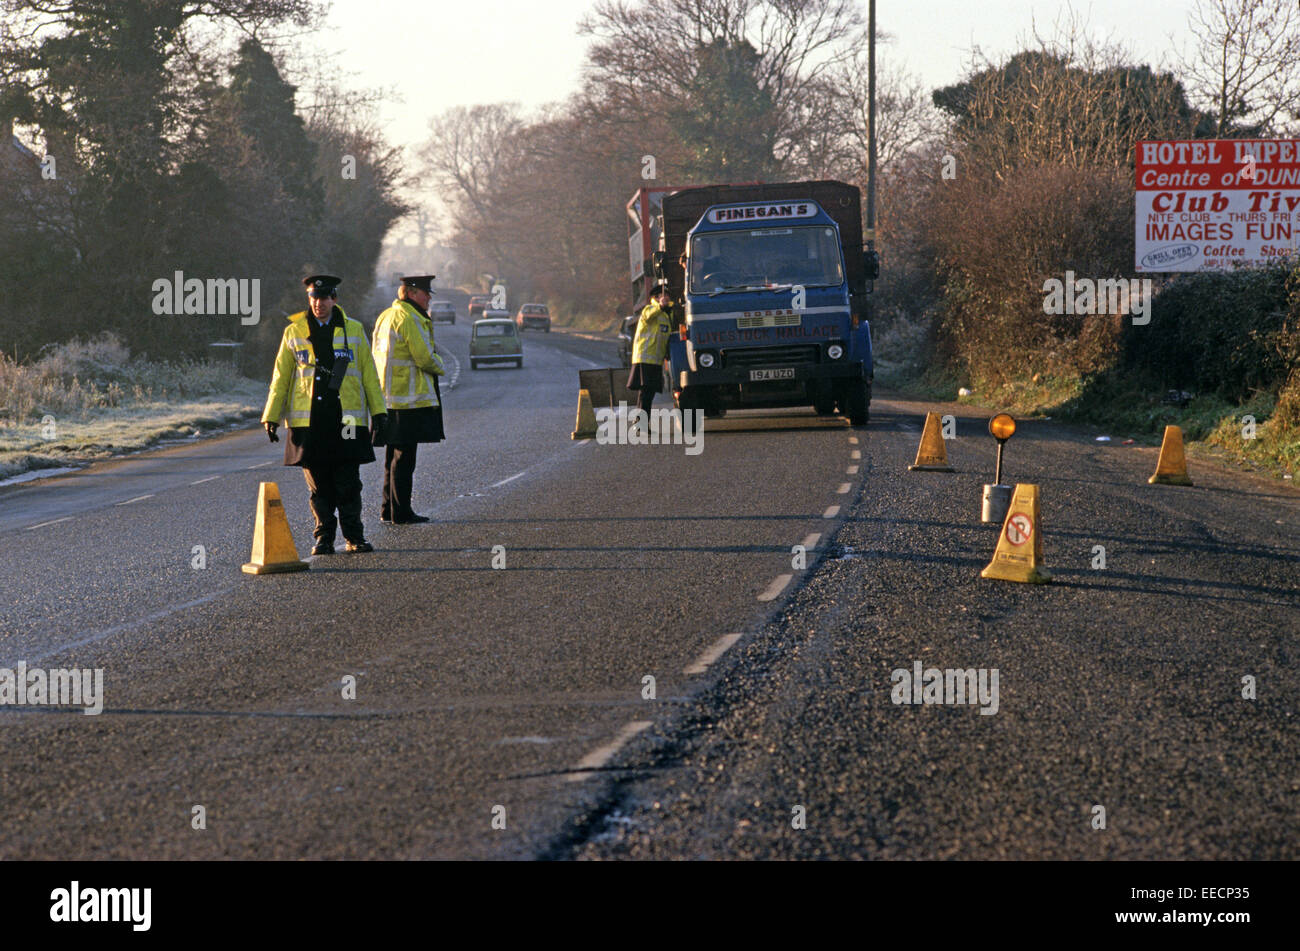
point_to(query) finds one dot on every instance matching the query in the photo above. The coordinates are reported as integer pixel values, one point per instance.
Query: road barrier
(273, 549)
(1019, 555)
(585, 427)
(1171, 469)
(932, 454)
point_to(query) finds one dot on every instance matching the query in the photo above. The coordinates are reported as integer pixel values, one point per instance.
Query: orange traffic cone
(585, 427)
(1172, 467)
(273, 548)
(932, 454)
(1019, 555)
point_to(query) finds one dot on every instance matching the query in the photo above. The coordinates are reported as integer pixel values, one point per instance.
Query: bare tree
(1247, 63)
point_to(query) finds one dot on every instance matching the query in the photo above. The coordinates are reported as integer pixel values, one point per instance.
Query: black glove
(270, 432)
(378, 429)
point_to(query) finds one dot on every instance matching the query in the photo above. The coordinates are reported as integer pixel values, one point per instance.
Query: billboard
(1211, 204)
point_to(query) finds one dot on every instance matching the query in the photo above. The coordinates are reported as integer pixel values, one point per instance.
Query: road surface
(507, 713)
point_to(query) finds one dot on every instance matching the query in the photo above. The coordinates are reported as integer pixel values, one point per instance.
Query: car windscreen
(735, 260)
(494, 330)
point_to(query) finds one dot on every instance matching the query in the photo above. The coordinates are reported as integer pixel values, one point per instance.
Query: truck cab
(773, 295)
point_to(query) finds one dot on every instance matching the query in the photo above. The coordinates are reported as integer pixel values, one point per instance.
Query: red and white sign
(1020, 527)
(1208, 204)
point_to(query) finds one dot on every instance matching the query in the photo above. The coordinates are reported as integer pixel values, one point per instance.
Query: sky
(529, 51)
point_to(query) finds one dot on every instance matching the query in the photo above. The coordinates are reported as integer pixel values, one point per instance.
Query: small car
(442, 311)
(477, 304)
(534, 316)
(626, 334)
(495, 339)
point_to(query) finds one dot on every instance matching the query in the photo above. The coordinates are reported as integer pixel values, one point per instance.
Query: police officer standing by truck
(650, 347)
(326, 386)
(409, 367)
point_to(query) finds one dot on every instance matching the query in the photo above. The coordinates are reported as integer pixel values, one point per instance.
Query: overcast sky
(529, 51)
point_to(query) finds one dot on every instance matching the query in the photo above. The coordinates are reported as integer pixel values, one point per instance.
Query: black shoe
(411, 519)
(323, 548)
(385, 517)
(361, 547)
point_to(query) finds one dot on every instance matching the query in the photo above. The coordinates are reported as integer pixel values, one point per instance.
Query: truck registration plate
(785, 373)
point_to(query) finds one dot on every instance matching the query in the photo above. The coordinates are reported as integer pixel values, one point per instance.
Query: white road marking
(261, 465)
(710, 656)
(851, 470)
(853, 440)
(843, 489)
(599, 757)
(497, 485)
(31, 528)
(775, 588)
(139, 498)
(811, 541)
(208, 479)
(831, 512)
(856, 454)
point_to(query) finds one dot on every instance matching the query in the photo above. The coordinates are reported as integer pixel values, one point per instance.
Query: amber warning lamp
(997, 497)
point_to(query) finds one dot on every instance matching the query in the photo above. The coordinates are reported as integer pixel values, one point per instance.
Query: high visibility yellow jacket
(406, 358)
(650, 345)
(295, 371)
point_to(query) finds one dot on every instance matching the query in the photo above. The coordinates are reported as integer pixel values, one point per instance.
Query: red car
(534, 317)
(477, 304)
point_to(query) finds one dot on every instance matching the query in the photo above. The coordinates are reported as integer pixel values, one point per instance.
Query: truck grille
(770, 356)
(769, 320)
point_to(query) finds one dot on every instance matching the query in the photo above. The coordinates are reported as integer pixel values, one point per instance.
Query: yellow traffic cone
(1019, 555)
(585, 427)
(273, 548)
(932, 454)
(1172, 467)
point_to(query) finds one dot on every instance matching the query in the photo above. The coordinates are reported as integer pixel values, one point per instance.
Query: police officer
(409, 367)
(650, 347)
(326, 386)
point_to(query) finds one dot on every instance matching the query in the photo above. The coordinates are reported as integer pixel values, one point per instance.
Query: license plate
(785, 373)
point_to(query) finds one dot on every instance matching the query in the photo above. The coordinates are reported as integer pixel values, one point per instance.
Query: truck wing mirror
(871, 264)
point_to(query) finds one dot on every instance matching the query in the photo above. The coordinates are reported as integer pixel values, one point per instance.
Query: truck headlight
(705, 360)
(835, 351)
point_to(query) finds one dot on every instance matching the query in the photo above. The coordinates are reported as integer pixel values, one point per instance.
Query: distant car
(477, 305)
(442, 311)
(534, 317)
(626, 334)
(495, 339)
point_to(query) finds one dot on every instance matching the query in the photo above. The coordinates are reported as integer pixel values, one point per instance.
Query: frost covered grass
(90, 399)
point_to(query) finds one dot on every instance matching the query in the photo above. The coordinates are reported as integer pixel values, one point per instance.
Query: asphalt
(522, 692)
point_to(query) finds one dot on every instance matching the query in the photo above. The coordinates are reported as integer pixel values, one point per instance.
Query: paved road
(523, 692)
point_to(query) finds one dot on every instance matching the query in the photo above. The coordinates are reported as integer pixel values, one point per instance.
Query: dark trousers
(644, 397)
(336, 487)
(399, 468)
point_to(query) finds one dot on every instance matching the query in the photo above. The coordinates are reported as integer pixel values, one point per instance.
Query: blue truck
(773, 295)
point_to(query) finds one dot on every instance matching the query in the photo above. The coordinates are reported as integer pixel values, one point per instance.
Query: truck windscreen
(765, 257)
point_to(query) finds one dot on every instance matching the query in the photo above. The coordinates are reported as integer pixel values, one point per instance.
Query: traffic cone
(932, 454)
(1019, 555)
(273, 548)
(585, 427)
(1172, 467)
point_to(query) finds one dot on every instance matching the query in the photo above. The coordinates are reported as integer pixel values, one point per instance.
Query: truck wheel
(858, 404)
(824, 405)
(519, 364)
(473, 364)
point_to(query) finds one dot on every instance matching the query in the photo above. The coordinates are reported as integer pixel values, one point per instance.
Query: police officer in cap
(326, 386)
(409, 367)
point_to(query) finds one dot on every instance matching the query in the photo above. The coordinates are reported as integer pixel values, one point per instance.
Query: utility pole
(871, 125)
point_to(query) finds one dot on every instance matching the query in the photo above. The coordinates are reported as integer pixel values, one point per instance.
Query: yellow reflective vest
(651, 342)
(295, 371)
(406, 358)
